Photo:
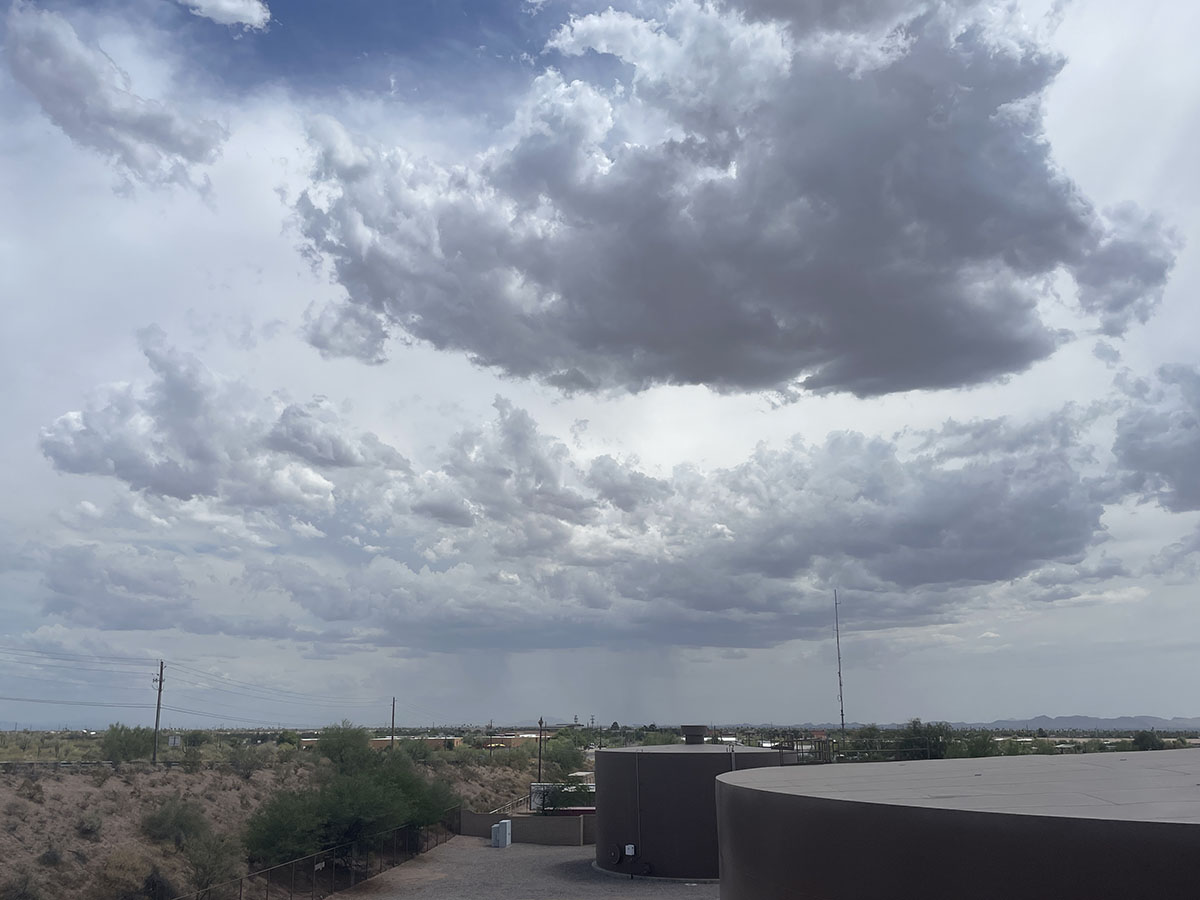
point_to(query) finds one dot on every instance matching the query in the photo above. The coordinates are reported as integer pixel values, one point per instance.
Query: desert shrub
(88, 826)
(156, 886)
(127, 874)
(31, 790)
(177, 820)
(245, 760)
(415, 750)
(51, 856)
(20, 886)
(388, 791)
(122, 743)
(211, 860)
(510, 757)
(192, 762)
(123, 873)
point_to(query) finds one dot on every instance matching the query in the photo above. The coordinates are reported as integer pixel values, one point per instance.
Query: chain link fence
(336, 868)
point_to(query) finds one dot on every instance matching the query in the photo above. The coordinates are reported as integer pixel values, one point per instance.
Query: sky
(555, 358)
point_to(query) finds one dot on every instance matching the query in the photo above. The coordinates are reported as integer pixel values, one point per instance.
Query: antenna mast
(837, 634)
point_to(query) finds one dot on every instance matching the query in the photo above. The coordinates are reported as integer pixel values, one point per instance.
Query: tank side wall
(786, 845)
(616, 809)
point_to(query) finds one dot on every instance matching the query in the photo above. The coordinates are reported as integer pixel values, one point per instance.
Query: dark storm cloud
(750, 211)
(624, 487)
(1158, 438)
(86, 94)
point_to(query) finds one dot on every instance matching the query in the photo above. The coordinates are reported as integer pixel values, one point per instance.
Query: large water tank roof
(689, 748)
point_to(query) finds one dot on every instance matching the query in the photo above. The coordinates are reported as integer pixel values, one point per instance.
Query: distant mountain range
(1060, 723)
(1049, 723)
(1091, 723)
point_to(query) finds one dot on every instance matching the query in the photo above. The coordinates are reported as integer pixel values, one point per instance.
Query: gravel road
(467, 867)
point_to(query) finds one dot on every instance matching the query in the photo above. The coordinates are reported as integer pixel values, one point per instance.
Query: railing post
(292, 889)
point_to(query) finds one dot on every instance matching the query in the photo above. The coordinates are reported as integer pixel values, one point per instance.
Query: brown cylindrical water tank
(660, 803)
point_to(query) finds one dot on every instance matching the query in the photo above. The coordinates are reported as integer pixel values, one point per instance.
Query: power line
(285, 695)
(41, 679)
(261, 687)
(253, 696)
(75, 668)
(79, 703)
(62, 654)
(228, 718)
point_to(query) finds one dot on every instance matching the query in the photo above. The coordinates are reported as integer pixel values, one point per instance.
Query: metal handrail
(515, 803)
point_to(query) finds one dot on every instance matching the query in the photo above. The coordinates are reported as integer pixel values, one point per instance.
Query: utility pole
(157, 713)
(540, 724)
(392, 745)
(837, 633)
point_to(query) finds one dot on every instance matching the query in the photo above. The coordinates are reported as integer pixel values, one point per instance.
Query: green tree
(347, 747)
(974, 744)
(916, 740)
(561, 757)
(1147, 740)
(287, 826)
(366, 793)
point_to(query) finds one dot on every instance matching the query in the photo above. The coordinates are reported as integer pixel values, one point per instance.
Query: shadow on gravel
(576, 870)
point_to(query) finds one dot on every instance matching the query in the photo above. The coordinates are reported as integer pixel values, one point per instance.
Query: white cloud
(86, 94)
(248, 13)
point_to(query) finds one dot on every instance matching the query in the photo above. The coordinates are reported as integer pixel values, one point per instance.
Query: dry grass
(75, 833)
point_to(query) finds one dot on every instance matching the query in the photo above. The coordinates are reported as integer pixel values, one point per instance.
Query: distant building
(512, 740)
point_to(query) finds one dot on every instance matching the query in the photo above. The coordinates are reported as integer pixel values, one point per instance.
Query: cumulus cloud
(508, 538)
(86, 94)
(191, 434)
(1157, 442)
(750, 208)
(247, 13)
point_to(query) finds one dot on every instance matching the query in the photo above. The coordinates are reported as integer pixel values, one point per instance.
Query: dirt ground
(61, 831)
(64, 828)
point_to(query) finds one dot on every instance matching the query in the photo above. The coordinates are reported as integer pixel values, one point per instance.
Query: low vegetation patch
(363, 792)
